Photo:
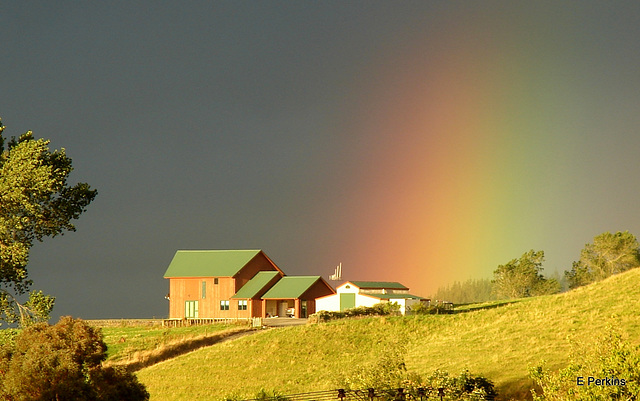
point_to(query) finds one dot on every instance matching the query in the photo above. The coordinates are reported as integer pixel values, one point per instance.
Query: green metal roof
(290, 287)
(255, 285)
(394, 296)
(379, 285)
(209, 263)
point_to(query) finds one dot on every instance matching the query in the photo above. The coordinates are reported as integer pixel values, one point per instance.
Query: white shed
(352, 294)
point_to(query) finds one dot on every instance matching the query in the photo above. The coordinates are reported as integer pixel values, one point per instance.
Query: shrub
(390, 373)
(262, 395)
(62, 361)
(463, 387)
(435, 308)
(7, 336)
(608, 358)
(379, 309)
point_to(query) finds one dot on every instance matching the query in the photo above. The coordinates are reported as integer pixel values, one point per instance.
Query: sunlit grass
(496, 340)
(125, 342)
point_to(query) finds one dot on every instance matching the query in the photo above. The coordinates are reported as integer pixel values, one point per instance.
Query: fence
(399, 394)
(254, 322)
(124, 322)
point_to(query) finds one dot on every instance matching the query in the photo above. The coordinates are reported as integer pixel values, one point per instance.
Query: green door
(191, 309)
(347, 301)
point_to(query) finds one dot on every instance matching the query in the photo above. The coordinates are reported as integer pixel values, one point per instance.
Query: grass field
(124, 343)
(498, 340)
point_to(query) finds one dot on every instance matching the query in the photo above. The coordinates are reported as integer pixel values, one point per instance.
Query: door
(283, 309)
(347, 301)
(191, 309)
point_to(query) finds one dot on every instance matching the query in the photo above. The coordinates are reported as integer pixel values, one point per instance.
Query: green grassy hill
(496, 340)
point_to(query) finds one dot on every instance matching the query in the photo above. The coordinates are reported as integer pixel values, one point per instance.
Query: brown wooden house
(237, 284)
(291, 296)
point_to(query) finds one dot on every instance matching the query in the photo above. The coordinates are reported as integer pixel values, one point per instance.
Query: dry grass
(172, 349)
(127, 342)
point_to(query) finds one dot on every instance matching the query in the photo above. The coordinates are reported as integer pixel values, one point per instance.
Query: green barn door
(191, 309)
(347, 301)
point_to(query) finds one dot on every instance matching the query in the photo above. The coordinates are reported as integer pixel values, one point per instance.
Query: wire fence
(370, 394)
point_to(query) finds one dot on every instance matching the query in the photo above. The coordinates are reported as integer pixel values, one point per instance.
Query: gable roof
(209, 263)
(393, 296)
(255, 285)
(291, 287)
(391, 285)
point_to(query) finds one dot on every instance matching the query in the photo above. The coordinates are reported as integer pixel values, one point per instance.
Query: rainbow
(455, 165)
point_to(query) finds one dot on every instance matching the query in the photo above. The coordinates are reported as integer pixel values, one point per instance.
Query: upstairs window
(204, 289)
(215, 280)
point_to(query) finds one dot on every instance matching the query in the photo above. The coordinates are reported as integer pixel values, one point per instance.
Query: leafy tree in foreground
(609, 254)
(63, 362)
(522, 278)
(35, 202)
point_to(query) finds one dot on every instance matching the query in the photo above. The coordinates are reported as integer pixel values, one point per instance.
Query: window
(204, 289)
(215, 280)
(242, 304)
(224, 305)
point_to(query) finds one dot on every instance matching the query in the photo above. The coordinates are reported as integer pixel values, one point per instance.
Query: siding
(259, 263)
(190, 289)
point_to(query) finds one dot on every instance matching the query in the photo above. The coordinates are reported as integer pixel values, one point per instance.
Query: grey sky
(217, 125)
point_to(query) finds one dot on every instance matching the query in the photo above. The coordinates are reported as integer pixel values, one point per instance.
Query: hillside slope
(499, 343)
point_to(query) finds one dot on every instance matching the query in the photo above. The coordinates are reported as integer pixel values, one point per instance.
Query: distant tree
(609, 254)
(471, 290)
(522, 277)
(63, 362)
(35, 202)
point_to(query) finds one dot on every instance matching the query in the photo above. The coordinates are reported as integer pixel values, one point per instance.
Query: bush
(462, 387)
(390, 373)
(610, 359)
(379, 309)
(7, 336)
(436, 308)
(63, 362)
(262, 395)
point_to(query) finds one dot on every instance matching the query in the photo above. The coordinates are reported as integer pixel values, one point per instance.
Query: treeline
(479, 290)
(607, 255)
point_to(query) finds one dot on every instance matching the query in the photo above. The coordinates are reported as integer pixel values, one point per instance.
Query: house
(238, 284)
(298, 293)
(352, 294)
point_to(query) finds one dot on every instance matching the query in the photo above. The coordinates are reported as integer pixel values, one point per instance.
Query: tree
(522, 278)
(35, 202)
(471, 290)
(63, 362)
(609, 254)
